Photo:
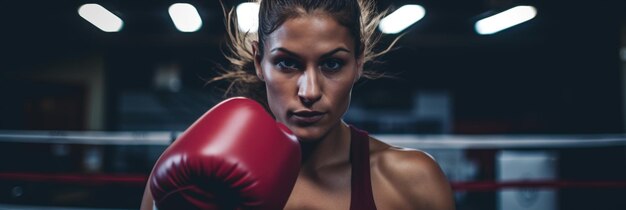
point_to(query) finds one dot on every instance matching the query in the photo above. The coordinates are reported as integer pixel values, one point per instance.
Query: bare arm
(146, 202)
(436, 188)
(419, 180)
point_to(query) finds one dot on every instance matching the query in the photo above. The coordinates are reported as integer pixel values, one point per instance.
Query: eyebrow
(328, 54)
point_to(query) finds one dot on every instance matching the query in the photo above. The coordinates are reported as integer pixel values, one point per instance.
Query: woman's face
(309, 68)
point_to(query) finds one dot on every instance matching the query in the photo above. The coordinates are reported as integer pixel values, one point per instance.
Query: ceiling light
(248, 17)
(185, 17)
(100, 17)
(504, 20)
(402, 18)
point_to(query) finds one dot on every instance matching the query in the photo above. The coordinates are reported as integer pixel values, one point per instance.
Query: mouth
(306, 117)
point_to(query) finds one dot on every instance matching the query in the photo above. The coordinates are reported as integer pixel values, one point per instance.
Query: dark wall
(558, 73)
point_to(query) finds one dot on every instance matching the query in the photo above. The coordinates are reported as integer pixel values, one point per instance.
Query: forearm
(147, 201)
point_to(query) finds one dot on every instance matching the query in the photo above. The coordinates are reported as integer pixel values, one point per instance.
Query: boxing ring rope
(90, 137)
(140, 180)
(557, 184)
(501, 141)
(164, 138)
(412, 141)
(76, 178)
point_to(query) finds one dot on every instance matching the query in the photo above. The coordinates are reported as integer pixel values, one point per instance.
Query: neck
(331, 150)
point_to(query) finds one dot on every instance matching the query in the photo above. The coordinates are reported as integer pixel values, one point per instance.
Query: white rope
(164, 138)
(89, 137)
(502, 141)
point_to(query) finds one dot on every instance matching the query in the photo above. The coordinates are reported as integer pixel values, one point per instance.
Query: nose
(309, 88)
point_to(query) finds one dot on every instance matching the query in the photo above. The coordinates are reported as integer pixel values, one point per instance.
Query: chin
(308, 134)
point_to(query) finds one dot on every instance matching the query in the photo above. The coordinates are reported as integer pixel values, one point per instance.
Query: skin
(146, 201)
(309, 63)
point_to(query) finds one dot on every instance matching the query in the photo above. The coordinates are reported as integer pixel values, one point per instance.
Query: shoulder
(404, 164)
(413, 174)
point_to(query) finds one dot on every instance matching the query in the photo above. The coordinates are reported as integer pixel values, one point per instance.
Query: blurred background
(558, 76)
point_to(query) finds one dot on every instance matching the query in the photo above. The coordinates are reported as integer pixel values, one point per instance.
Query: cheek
(345, 83)
(274, 83)
(341, 93)
(277, 89)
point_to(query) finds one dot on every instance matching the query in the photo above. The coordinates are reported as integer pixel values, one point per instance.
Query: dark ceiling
(563, 64)
(54, 27)
(150, 17)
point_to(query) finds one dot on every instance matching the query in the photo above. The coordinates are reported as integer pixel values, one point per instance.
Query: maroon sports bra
(361, 183)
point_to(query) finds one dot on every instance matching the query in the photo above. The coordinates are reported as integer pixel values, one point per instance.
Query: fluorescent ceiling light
(506, 19)
(248, 17)
(185, 17)
(402, 18)
(100, 17)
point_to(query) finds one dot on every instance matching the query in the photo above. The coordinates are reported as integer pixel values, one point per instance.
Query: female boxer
(302, 65)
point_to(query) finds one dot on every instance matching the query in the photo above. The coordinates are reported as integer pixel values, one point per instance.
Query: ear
(257, 60)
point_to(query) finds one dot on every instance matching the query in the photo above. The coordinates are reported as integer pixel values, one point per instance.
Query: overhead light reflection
(248, 17)
(504, 20)
(402, 18)
(185, 17)
(100, 17)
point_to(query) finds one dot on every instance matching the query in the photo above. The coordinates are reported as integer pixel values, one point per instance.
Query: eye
(287, 64)
(332, 65)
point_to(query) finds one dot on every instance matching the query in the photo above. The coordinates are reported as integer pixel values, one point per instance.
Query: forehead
(310, 32)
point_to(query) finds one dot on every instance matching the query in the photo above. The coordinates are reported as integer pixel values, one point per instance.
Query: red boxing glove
(236, 156)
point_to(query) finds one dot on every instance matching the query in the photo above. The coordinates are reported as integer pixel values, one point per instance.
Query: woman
(307, 56)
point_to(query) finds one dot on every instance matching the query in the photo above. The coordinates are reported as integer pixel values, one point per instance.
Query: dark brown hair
(359, 16)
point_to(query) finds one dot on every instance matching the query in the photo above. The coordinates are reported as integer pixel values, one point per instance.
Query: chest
(308, 195)
(329, 191)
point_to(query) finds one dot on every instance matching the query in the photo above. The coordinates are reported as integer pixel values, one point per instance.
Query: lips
(306, 117)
